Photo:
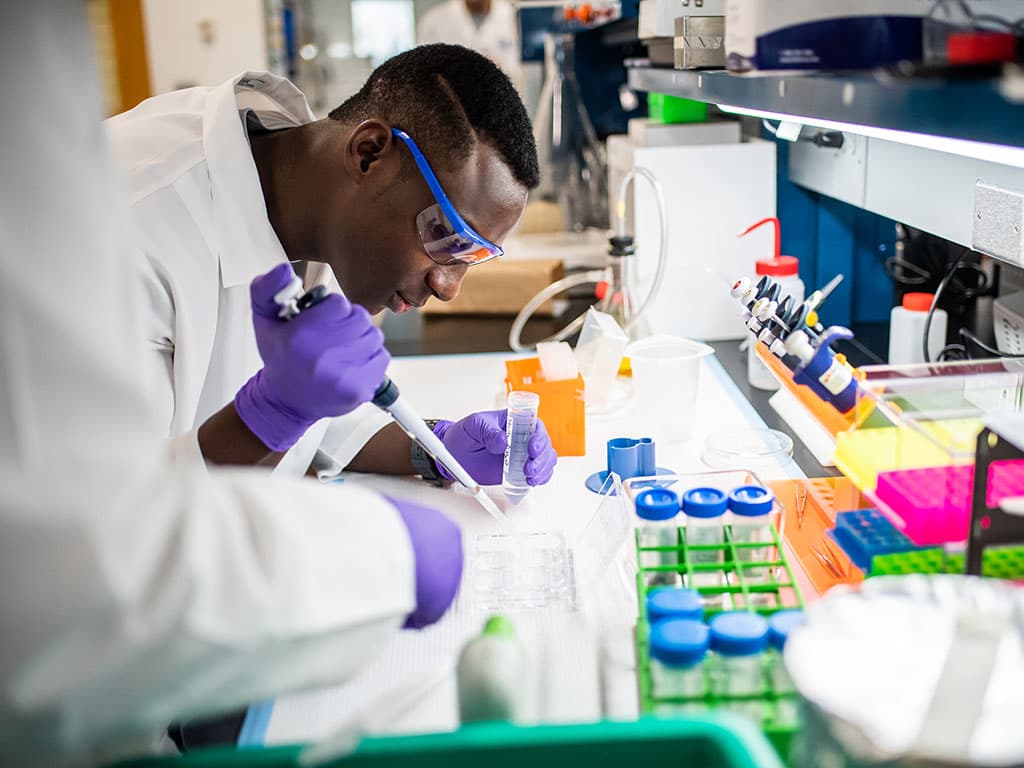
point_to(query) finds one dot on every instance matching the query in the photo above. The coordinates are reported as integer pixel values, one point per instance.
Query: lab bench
(583, 640)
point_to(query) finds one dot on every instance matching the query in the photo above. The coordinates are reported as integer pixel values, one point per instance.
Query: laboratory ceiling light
(992, 153)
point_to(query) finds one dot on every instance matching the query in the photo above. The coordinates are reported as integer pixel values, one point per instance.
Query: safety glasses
(446, 236)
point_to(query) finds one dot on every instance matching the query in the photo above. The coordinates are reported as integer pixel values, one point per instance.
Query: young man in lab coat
(411, 182)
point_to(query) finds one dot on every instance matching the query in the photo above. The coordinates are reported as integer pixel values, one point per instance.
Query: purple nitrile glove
(437, 547)
(322, 363)
(478, 442)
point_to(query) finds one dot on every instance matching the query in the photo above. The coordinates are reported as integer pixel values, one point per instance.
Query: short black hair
(447, 97)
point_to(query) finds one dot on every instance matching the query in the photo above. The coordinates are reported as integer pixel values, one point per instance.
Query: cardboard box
(501, 287)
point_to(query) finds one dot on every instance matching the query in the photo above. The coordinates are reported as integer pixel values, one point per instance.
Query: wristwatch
(423, 464)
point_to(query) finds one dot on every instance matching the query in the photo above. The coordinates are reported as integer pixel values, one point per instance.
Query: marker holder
(766, 594)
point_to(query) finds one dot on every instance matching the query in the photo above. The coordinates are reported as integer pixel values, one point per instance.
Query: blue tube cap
(704, 502)
(657, 504)
(679, 642)
(674, 603)
(781, 624)
(738, 633)
(750, 500)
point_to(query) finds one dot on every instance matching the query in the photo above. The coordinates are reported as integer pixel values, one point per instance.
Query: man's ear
(368, 149)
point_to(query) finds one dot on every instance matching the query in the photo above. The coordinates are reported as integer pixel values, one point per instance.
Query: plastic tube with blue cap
(751, 507)
(704, 509)
(656, 510)
(677, 650)
(739, 640)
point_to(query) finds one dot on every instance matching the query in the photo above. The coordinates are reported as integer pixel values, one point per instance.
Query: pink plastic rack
(934, 504)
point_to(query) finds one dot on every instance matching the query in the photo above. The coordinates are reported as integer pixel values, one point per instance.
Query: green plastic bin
(662, 108)
(711, 741)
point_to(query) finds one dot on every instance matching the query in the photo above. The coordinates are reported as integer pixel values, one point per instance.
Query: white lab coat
(192, 184)
(134, 590)
(497, 38)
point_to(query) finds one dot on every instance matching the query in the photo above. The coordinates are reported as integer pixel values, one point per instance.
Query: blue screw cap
(738, 633)
(674, 603)
(781, 624)
(750, 501)
(657, 504)
(679, 642)
(704, 502)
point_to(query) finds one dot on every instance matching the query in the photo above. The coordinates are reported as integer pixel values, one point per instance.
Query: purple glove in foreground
(437, 546)
(322, 363)
(478, 442)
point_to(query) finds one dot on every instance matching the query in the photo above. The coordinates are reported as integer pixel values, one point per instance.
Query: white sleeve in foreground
(136, 590)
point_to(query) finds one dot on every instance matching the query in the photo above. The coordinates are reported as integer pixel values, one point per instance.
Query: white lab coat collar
(248, 244)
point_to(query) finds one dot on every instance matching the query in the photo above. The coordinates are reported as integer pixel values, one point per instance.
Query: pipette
(292, 300)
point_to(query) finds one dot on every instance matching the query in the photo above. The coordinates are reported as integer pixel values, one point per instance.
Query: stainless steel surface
(699, 42)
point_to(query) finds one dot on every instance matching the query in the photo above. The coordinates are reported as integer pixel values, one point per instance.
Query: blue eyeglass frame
(461, 227)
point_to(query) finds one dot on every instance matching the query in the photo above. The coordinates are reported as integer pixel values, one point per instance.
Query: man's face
(375, 248)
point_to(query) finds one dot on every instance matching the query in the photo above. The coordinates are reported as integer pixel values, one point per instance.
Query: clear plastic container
(522, 420)
(677, 651)
(750, 507)
(779, 626)
(532, 570)
(747, 449)
(739, 640)
(670, 603)
(656, 511)
(704, 509)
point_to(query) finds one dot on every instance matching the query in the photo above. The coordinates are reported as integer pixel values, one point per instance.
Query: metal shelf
(972, 109)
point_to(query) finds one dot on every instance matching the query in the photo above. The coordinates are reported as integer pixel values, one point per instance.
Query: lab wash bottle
(674, 603)
(704, 510)
(779, 627)
(656, 511)
(739, 640)
(493, 675)
(750, 507)
(678, 648)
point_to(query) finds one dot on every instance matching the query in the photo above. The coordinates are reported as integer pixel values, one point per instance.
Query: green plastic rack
(737, 592)
(997, 562)
(709, 741)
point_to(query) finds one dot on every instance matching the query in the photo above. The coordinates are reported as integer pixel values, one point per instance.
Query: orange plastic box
(562, 404)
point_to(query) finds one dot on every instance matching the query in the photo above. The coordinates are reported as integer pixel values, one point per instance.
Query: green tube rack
(778, 591)
(996, 563)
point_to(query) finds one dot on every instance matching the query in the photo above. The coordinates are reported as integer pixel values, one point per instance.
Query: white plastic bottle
(493, 676)
(785, 270)
(906, 330)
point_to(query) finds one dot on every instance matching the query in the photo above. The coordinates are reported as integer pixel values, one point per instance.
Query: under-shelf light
(992, 153)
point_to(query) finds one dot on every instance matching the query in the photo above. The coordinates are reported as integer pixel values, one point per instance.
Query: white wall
(179, 56)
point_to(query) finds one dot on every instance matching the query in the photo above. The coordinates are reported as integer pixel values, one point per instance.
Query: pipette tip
(485, 501)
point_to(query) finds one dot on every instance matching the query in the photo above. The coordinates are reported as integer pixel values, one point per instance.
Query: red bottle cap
(918, 302)
(980, 47)
(782, 266)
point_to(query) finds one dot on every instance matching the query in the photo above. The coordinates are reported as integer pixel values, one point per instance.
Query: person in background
(134, 588)
(488, 26)
(405, 186)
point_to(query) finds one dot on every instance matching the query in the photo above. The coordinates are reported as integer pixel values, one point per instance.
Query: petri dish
(747, 449)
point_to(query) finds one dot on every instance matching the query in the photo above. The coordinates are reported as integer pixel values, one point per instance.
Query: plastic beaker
(666, 371)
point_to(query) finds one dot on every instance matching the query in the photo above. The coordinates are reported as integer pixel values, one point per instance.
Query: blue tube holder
(627, 457)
